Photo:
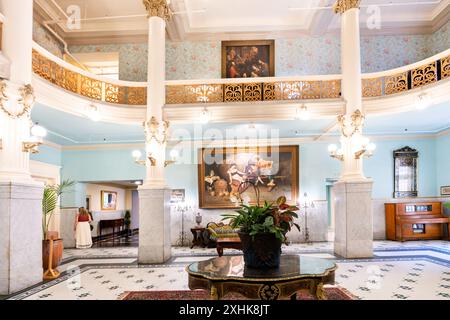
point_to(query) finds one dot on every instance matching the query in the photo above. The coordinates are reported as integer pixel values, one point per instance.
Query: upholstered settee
(215, 231)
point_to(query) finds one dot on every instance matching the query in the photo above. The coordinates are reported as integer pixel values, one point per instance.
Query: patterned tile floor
(410, 270)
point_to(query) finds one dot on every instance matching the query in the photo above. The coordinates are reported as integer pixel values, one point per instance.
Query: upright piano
(416, 221)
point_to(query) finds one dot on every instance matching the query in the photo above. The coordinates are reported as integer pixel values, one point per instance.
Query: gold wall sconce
(366, 149)
(36, 139)
(137, 155)
(336, 152)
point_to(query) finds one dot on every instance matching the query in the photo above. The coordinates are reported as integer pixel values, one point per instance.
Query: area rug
(334, 293)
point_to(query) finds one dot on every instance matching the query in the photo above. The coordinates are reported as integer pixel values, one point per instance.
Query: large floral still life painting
(223, 172)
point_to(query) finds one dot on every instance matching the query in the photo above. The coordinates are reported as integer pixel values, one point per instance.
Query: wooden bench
(230, 243)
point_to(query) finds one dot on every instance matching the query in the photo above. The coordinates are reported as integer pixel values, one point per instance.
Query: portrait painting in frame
(108, 200)
(223, 172)
(248, 59)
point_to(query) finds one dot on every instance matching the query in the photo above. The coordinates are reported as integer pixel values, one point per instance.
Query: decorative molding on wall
(52, 145)
(243, 142)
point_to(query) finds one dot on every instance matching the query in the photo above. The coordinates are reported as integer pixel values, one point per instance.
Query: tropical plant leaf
(281, 200)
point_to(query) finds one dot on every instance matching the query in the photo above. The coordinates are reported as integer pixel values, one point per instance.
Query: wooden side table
(198, 237)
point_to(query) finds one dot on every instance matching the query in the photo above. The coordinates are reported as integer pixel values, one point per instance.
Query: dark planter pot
(58, 248)
(261, 251)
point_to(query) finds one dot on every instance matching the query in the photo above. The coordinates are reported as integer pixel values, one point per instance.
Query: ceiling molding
(262, 142)
(178, 30)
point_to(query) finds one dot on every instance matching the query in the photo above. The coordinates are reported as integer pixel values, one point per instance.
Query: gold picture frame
(248, 59)
(275, 170)
(108, 200)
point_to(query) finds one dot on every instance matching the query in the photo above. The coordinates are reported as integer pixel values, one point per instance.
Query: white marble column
(353, 191)
(154, 213)
(20, 196)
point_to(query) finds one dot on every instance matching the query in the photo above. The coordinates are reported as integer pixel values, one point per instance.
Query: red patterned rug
(334, 293)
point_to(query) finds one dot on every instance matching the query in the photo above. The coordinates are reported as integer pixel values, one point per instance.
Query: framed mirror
(109, 200)
(405, 172)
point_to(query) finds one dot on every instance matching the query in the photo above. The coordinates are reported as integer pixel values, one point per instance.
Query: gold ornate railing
(409, 79)
(243, 90)
(253, 91)
(87, 86)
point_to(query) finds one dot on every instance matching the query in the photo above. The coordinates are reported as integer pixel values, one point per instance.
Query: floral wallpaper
(381, 53)
(47, 40)
(440, 40)
(306, 55)
(193, 60)
(132, 58)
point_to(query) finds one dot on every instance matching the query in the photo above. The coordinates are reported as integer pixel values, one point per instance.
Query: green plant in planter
(276, 218)
(49, 202)
(270, 218)
(263, 229)
(447, 205)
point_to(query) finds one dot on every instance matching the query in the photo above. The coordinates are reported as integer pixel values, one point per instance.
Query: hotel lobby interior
(224, 150)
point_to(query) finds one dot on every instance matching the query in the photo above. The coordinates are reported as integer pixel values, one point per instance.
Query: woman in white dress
(82, 229)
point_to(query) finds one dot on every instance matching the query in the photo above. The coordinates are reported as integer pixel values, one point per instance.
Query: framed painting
(445, 191)
(108, 200)
(248, 59)
(222, 173)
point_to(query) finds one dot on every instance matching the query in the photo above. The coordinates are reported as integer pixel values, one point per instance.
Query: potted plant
(49, 203)
(263, 229)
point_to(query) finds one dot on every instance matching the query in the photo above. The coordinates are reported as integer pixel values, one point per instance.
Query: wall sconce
(335, 152)
(37, 135)
(366, 149)
(137, 158)
(302, 113)
(137, 155)
(174, 154)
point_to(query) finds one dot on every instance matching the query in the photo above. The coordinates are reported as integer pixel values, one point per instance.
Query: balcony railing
(76, 80)
(406, 78)
(379, 84)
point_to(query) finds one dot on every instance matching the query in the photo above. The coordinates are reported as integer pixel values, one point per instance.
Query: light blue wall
(315, 167)
(442, 162)
(380, 167)
(48, 155)
(100, 165)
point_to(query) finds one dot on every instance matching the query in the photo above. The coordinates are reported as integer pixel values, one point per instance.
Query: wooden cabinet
(415, 221)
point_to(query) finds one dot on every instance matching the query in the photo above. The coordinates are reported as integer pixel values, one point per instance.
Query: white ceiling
(236, 19)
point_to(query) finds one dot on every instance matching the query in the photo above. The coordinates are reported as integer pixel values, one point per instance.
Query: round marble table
(227, 274)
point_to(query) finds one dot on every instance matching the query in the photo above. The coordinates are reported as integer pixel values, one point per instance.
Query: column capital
(342, 6)
(158, 8)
